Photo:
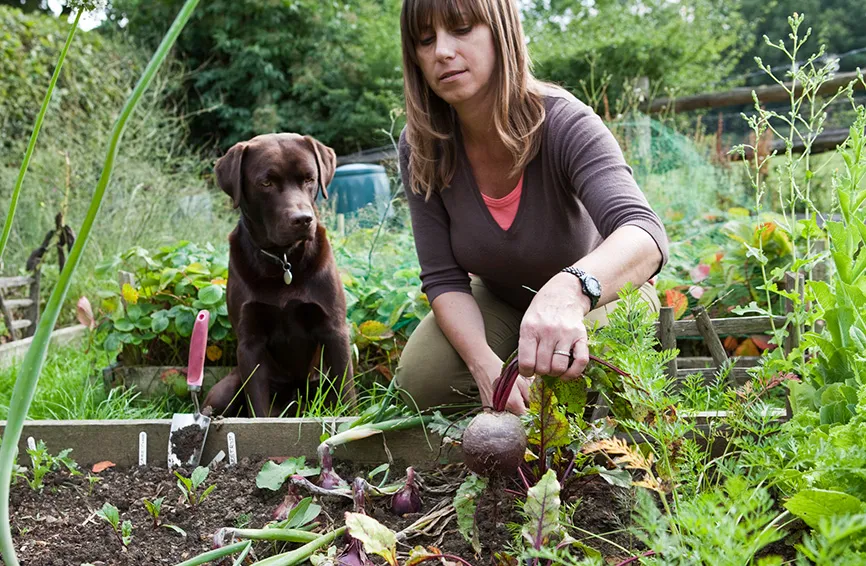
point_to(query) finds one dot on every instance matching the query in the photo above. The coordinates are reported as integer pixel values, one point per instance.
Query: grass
(71, 388)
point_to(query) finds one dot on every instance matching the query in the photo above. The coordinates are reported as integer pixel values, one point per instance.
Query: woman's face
(458, 62)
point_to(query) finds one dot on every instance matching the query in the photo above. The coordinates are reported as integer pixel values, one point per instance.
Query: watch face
(593, 287)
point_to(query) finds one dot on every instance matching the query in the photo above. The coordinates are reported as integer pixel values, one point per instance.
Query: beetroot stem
(505, 382)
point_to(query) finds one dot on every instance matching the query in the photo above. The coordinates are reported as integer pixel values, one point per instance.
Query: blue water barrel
(358, 184)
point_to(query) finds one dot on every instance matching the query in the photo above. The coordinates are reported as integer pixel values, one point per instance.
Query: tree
(325, 69)
(838, 24)
(686, 46)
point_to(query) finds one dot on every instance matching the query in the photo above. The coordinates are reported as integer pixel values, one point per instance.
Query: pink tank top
(504, 209)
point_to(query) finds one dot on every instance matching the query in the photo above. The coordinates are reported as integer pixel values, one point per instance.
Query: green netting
(677, 175)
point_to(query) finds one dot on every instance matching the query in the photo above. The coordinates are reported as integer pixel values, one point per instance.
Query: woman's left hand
(552, 328)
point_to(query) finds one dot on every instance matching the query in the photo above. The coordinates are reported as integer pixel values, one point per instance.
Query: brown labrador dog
(284, 294)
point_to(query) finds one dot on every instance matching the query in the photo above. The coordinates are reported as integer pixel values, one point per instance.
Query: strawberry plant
(150, 320)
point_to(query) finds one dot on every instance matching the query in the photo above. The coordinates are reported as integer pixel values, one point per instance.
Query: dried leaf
(747, 348)
(678, 301)
(214, 352)
(101, 466)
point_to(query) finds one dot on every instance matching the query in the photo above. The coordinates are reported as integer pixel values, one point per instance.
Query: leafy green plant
(189, 486)
(465, 505)
(110, 514)
(272, 476)
(150, 321)
(154, 508)
(727, 525)
(35, 356)
(42, 462)
(721, 267)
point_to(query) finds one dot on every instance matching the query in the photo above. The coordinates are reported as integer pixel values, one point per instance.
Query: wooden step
(742, 325)
(19, 324)
(18, 303)
(13, 282)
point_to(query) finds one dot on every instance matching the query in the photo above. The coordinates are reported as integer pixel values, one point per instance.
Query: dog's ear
(229, 172)
(326, 163)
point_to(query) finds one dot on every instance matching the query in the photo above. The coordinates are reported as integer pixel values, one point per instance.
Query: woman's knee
(430, 371)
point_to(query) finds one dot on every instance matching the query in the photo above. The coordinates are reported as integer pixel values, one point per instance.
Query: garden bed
(60, 526)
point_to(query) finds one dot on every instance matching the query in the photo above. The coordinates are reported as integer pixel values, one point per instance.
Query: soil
(59, 527)
(185, 441)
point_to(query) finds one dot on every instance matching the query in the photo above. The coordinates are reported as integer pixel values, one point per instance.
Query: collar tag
(284, 263)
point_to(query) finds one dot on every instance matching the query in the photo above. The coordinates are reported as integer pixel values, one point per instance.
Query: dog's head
(274, 179)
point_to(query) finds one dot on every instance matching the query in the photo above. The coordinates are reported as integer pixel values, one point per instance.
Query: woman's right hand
(485, 377)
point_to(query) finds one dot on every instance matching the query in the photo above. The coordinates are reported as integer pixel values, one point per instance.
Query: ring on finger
(562, 353)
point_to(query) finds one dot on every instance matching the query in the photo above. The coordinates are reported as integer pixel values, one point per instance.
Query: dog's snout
(301, 219)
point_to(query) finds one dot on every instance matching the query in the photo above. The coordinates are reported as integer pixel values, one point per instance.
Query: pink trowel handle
(197, 347)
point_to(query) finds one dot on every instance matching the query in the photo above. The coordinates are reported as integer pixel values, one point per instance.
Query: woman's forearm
(459, 318)
(628, 255)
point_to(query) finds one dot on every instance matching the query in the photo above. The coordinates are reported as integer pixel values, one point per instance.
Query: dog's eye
(265, 183)
(309, 180)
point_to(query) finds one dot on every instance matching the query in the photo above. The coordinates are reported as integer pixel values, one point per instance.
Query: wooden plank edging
(93, 441)
(13, 352)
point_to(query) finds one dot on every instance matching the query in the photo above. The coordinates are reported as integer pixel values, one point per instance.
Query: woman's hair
(431, 123)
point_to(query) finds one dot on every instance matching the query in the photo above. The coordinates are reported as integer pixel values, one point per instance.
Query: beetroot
(494, 443)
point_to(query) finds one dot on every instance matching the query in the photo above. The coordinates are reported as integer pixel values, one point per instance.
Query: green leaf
(812, 505)
(376, 537)
(124, 325)
(836, 413)
(571, 394)
(617, 477)
(175, 528)
(159, 322)
(802, 396)
(126, 532)
(206, 493)
(549, 428)
(272, 476)
(542, 511)
(199, 475)
(302, 514)
(465, 502)
(211, 295)
(166, 278)
(184, 322)
(110, 514)
(133, 312)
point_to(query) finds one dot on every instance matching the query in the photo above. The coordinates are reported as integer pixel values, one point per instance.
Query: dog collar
(284, 263)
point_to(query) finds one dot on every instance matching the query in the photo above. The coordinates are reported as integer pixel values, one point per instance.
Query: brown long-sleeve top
(577, 190)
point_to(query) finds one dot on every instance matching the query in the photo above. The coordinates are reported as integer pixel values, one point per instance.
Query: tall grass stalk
(16, 192)
(25, 385)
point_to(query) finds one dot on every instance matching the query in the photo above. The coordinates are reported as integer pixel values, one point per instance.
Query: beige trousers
(431, 372)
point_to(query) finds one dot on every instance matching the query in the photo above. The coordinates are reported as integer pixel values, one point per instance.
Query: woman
(527, 219)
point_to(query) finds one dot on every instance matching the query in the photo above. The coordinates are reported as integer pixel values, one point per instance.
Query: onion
(408, 498)
(328, 478)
